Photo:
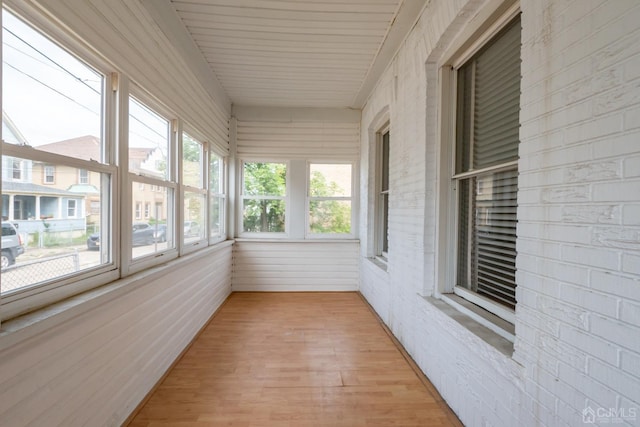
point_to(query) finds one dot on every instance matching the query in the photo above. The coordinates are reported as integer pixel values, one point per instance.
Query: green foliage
(191, 149)
(328, 216)
(264, 179)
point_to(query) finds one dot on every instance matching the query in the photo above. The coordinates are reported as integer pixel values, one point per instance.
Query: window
(486, 172)
(264, 191)
(217, 199)
(150, 153)
(382, 196)
(83, 176)
(71, 208)
(194, 191)
(16, 169)
(54, 113)
(49, 174)
(329, 202)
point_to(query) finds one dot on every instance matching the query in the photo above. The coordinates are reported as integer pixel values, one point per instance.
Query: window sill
(21, 328)
(285, 240)
(379, 262)
(495, 331)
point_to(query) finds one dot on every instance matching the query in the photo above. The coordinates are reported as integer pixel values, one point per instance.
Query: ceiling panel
(293, 53)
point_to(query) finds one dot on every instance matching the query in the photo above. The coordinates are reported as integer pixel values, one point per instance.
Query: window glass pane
(153, 234)
(330, 216)
(385, 162)
(488, 236)
(263, 215)
(50, 100)
(148, 142)
(330, 180)
(194, 207)
(191, 162)
(51, 231)
(216, 219)
(264, 179)
(215, 173)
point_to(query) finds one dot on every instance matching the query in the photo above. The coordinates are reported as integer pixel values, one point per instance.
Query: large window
(486, 172)
(53, 119)
(264, 192)
(217, 199)
(329, 202)
(381, 211)
(194, 192)
(150, 148)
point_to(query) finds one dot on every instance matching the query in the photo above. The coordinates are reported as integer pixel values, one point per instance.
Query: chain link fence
(36, 271)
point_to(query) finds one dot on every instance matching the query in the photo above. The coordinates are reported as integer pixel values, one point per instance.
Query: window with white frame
(49, 174)
(194, 193)
(147, 210)
(381, 221)
(83, 176)
(329, 206)
(485, 176)
(71, 208)
(150, 153)
(53, 103)
(217, 198)
(264, 193)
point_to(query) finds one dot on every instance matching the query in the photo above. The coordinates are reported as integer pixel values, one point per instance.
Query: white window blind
(487, 129)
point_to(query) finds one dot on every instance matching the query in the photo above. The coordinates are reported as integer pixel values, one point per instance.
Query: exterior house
(495, 176)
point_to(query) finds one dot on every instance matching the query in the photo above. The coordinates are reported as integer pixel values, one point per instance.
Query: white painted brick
(588, 299)
(631, 263)
(580, 381)
(563, 312)
(566, 194)
(615, 284)
(617, 238)
(627, 191)
(618, 380)
(616, 332)
(591, 214)
(590, 172)
(630, 362)
(632, 118)
(617, 145)
(588, 131)
(632, 68)
(632, 165)
(630, 312)
(589, 344)
(631, 215)
(595, 257)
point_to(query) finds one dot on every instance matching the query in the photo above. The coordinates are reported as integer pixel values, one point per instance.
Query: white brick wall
(578, 314)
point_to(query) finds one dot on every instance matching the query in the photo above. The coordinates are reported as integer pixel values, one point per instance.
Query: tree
(328, 216)
(264, 213)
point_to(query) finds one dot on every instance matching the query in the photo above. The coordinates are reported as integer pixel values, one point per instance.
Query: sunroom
(468, 169)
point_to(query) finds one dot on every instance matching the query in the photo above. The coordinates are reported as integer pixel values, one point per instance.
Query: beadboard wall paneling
(295, 266)
(94, 369)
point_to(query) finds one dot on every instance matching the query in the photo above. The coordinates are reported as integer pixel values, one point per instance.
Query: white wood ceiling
(297, 53)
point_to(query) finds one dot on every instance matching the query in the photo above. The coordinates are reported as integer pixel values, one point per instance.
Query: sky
(51, 96)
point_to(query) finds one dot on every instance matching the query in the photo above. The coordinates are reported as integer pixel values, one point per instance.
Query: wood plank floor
(294, 359)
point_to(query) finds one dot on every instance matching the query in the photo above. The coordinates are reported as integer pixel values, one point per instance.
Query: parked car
(160, 232)
(142, 234)
(11, 244)
(191, 228)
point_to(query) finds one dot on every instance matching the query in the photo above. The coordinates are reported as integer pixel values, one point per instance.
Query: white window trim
(75, 208)
(446, 233)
